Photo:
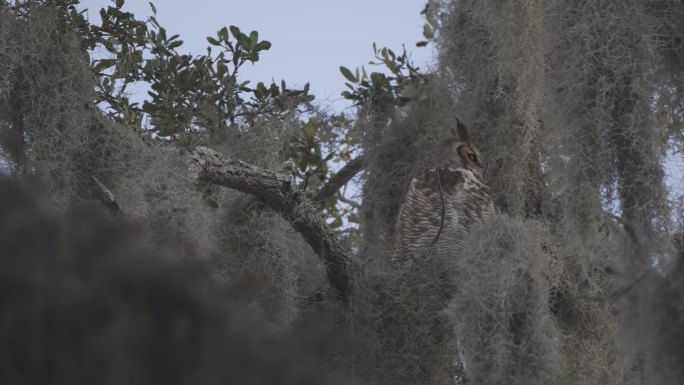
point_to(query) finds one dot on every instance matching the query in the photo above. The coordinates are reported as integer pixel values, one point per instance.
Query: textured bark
(277, 192)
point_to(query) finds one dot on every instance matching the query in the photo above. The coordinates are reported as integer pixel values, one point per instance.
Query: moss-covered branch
(277, 191)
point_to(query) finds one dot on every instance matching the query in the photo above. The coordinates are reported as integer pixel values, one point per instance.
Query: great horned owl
(445, 197)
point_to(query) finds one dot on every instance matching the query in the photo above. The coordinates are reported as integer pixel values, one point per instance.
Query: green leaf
(427, 31)
(263, 45)
(221, 69)
(119, 3)
(253, 39)
(392, 67)
(212, 41)
(103, 64)
(337, 223)
(260, 91)
(235, 31)
(223, 34)
(243, 39)
(303, 163)
(348, 74)
(310, 129)
(154, 9)
(274, 90)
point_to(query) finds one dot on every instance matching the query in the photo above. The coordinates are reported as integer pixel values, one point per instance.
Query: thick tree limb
(277, 191)
(338, 180)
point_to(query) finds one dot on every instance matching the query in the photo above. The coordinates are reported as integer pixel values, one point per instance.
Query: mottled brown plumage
(445, 198)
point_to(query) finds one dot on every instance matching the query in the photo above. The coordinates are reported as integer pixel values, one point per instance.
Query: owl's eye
(472, 157)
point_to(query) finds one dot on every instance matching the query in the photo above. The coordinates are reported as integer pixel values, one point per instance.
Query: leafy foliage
(197, 99)
(379, 87)
(188, 95)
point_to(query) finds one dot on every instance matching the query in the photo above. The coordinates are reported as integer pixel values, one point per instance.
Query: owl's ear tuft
(460, 132)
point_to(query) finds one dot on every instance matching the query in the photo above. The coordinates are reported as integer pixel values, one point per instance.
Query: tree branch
(105, 196)
(277, 191)
(338, 180)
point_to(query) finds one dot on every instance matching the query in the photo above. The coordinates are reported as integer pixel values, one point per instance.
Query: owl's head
(461, 152)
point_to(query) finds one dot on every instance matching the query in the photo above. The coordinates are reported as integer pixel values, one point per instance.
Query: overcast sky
(311, 38)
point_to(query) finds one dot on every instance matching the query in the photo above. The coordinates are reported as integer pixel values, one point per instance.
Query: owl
(445, 198)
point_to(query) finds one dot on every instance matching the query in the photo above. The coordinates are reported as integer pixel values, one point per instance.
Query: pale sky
(311, 38)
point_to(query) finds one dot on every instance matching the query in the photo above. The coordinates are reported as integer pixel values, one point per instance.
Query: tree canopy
(576, 106)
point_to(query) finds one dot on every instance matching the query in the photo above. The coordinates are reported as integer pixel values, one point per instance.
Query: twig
(350, 202)
(105, 196)
(340, 179)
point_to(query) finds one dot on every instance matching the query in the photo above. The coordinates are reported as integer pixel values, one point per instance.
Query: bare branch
(105, 196)
(338, 180)
(277, 191)
(350, 202)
